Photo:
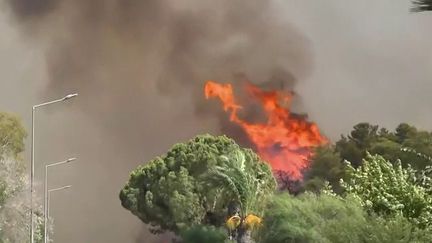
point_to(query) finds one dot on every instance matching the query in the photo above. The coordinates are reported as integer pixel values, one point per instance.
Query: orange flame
(285, 140)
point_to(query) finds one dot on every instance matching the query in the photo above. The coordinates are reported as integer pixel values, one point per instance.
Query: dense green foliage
(328, 162)
(383, 194)
(389, 189)
(332, 219)
(200, 234)
(326, 167)
(195, 182)
(244, 178)
(389, 173)
(383, 199)
(12, 135)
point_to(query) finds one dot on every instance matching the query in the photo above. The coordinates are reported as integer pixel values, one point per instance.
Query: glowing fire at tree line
(210, 185)
(285, 141)
(218, 180)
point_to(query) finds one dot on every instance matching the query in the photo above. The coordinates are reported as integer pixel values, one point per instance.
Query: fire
(285, 140)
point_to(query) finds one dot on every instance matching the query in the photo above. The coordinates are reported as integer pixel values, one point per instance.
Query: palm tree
(248, 184)
(422, 5)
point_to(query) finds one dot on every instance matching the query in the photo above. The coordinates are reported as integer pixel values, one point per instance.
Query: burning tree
(206, 181)
(286, 140)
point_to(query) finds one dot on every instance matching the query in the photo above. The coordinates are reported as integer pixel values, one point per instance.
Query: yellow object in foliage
(233, 222)
(252, 221)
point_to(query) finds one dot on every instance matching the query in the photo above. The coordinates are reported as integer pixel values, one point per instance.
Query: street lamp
(48, 203)
(46, 194)
(67, 97)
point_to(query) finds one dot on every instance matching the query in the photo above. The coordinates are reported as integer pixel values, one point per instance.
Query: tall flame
(285, 140)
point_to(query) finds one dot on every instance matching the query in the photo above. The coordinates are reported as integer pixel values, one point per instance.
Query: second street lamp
(67, 97)
(46, 192)
(48, 202)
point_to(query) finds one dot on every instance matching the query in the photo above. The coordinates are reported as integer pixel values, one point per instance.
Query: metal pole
(47, 213)
(33, 159)
(32, 176)
(48, 203)
(46, 193)
(45, 204)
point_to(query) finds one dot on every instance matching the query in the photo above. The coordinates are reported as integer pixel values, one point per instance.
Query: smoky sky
(124, 55)
(139, 68)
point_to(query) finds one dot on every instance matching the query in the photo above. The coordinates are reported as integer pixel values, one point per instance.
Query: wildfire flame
(285, 140)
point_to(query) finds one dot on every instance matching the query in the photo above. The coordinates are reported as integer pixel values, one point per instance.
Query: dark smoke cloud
(139, 67)
(371, 63)
(27, 9)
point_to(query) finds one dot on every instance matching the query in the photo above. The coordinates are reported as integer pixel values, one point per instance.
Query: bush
(388, 189)
(201, 234)
(326, 218)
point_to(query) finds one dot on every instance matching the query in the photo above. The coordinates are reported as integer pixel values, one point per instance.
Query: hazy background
(139, 68)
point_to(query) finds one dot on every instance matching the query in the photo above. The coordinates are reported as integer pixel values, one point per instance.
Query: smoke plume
(139, 68)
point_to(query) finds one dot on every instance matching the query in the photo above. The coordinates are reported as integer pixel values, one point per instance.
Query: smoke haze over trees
(126, 113)
(138, 66)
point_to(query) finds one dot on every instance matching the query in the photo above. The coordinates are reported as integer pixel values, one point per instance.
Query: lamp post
(48, 203)
(67, 97)
(46, 194)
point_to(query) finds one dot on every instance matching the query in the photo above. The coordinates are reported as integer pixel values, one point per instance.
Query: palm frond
(252, 221)
(224, 181)
(233, 222)
(241, 179)
(422, 5)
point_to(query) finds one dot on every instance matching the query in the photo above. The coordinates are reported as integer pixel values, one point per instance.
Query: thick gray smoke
(139, 68)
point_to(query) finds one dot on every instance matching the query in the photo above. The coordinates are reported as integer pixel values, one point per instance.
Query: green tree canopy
(369, 138)
(331, 219)
(201, 234)
(328, 162)
(14, 210)
(388, 189)
(12, 135)
(327, 167)
(195, 182)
